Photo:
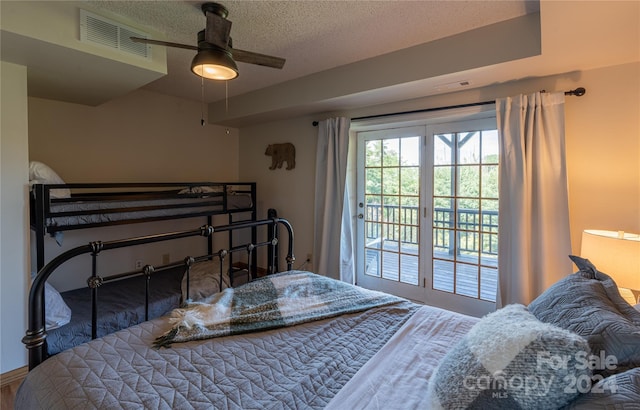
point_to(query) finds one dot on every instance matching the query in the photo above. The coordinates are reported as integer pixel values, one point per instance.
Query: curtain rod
(578, 92)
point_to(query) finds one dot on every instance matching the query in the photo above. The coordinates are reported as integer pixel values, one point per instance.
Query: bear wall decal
(281, 153)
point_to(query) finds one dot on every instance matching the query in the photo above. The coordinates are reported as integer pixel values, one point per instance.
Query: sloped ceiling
(343, 54)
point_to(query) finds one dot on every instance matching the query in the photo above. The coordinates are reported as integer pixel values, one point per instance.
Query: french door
(427, 226)
(388, 227)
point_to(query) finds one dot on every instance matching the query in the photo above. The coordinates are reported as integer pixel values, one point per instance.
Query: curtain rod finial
(578, 92)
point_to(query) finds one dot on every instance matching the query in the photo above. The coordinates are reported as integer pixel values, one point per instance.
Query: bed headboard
(36, 333)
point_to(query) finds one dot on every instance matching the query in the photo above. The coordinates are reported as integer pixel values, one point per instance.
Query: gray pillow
(510, 360)
(620, 391)
(588, 303)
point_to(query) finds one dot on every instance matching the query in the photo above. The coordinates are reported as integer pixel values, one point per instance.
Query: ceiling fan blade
(217, 30)
(162, 43)
(256, 58)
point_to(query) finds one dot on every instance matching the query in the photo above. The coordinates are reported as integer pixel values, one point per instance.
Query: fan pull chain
(202, 122)
(226, 97)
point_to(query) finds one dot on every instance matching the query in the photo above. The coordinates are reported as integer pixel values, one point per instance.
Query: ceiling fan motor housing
(216, 57)
(203, 44)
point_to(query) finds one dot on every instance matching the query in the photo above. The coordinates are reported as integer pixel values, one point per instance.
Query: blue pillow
(619, 391)
(588, 303)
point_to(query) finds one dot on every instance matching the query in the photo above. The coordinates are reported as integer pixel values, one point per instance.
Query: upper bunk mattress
(97, 212)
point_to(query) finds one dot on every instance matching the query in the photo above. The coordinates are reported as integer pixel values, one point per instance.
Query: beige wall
(602, 139)
(147, 136)
(290, 192)
(14, 180)
(143, 136)
(603, 152)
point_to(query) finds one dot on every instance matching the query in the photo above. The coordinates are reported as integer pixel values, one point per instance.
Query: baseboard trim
(13, 376)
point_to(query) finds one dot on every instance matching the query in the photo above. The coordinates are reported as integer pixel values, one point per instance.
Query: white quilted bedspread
(396, 378)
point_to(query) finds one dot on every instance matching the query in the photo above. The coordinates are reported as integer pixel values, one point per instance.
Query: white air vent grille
(96, 29)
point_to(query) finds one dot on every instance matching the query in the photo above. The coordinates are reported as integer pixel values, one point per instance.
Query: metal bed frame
(42, 205)
(35, 338)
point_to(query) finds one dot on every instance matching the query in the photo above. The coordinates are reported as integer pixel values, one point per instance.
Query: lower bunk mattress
(121, 304)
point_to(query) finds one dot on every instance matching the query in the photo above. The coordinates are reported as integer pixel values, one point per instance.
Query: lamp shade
(214, 64)
(615, 253)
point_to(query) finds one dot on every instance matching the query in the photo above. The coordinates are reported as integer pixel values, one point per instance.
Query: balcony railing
(477, 231)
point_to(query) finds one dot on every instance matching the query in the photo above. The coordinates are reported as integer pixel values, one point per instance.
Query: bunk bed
(131, 297)
(56, 208)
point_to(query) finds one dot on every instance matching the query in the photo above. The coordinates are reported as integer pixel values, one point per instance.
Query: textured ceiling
(312, 35)
(341, 55)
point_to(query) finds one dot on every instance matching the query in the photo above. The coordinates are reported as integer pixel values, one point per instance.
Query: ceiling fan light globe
(214, 72)
(214, 64)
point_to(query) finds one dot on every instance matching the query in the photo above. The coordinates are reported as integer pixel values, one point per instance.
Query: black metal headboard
(35, 338)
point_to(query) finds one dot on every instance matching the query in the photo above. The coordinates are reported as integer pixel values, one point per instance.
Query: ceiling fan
(216, 57)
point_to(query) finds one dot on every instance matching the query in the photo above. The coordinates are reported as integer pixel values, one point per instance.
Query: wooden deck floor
(460, 277)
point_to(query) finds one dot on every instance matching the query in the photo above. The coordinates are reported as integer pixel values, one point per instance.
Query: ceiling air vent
(96, 29)
(453, 86)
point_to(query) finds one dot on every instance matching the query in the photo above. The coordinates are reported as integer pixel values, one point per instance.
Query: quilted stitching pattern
(619, 391)
(297, 367)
